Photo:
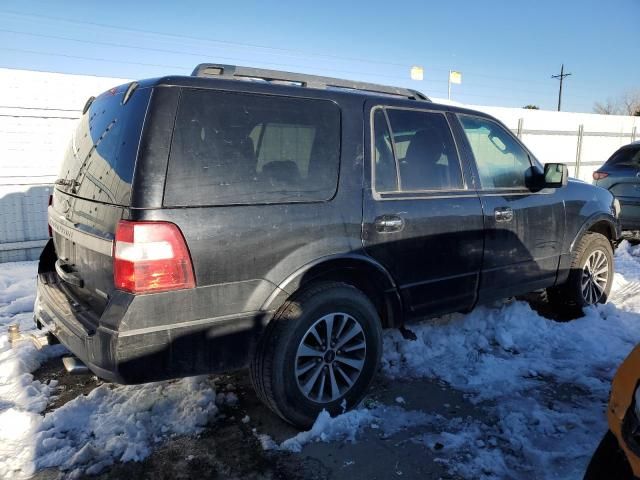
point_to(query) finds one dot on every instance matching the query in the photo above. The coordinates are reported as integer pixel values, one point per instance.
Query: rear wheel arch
(363, 273)
(604, 227)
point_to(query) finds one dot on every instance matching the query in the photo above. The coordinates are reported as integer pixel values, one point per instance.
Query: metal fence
(581, 168)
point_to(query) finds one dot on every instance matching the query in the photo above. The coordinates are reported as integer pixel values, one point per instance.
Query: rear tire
(295, 375)
(590, 277)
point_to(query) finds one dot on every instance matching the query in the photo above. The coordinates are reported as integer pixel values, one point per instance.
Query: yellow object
(622, 391)
(455, 77)
(417, 73)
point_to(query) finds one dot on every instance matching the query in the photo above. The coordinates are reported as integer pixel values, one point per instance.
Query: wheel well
(366, 278)
(604, 228)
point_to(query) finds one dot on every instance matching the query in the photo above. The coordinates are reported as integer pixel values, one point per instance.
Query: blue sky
(506, 51)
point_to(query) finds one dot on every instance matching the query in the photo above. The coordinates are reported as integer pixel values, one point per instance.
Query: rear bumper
(115, 351)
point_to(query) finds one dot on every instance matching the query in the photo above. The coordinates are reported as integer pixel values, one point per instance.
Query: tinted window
(425, 151)
(231, 148)
(501, 161)
(386, 175)
(625, 157)
(101, 156)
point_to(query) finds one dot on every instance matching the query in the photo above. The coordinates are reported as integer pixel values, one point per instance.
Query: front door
(524, 230)
(422, 221)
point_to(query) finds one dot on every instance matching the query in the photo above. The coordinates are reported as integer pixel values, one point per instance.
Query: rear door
(421, 219)
(524, 230)
(93, 190)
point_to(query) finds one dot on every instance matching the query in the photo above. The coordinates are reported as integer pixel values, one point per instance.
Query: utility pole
(561, 78)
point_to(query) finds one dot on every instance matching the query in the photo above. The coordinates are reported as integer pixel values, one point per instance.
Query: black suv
(243, 217)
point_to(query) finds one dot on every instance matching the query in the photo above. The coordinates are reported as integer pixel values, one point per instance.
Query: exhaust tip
(74, 366)
(14, 333)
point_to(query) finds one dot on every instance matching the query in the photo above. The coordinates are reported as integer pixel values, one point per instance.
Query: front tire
(320, 352)
(591, 275)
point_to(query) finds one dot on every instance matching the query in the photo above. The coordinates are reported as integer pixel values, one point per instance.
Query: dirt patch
(68, 386)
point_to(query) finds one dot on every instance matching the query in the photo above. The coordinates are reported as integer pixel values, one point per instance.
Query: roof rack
(214, 70)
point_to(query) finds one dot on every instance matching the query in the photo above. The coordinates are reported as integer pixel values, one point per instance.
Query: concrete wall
(38, 111)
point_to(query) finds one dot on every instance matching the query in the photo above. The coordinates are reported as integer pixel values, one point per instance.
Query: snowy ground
(527, 397)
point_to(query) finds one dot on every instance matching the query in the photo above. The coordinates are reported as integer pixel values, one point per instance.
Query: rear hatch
(94, 190)
(623, 169)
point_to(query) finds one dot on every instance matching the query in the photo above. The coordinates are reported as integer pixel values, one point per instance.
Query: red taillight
(600, 175)
(151, 257)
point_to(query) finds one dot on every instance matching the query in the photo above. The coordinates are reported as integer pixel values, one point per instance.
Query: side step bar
(74, 366)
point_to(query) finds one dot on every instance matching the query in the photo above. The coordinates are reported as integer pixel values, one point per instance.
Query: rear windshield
(626, 157)
(100, 158)
(237, 148)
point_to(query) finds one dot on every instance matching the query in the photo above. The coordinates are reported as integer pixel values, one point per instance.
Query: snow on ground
(542, 384)
(112, 423)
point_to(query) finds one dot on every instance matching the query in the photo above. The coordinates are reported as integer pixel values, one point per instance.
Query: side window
(386, 175)
(236, 148)
(425, 151)
(501, 161)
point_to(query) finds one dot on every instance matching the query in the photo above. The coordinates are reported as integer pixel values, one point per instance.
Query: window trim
(413, 194)
(394, 149)
(481, 188)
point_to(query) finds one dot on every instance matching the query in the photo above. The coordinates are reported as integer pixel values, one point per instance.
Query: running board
(74, 366)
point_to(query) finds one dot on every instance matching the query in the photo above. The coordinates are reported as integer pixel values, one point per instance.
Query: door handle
(503, 214)
(389, 223)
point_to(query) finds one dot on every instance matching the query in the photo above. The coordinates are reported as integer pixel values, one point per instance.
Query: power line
(433, 92)
(181, 52)
(177, 52)
(200, 39)
(279, 50)
(75, 110)
(80, 57)
(428, 83)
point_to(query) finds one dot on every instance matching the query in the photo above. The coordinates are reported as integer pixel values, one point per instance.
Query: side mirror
(556, 175)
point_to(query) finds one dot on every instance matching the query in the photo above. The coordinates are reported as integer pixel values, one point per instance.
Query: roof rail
(214, 70)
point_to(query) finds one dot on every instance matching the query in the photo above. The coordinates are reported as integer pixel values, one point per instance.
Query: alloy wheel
(330, 357)
(595, 276)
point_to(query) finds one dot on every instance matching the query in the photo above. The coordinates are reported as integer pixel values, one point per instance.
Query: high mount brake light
(600, 175)
(151, 257)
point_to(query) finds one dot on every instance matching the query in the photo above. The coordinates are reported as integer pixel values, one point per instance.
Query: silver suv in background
(621, 176)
